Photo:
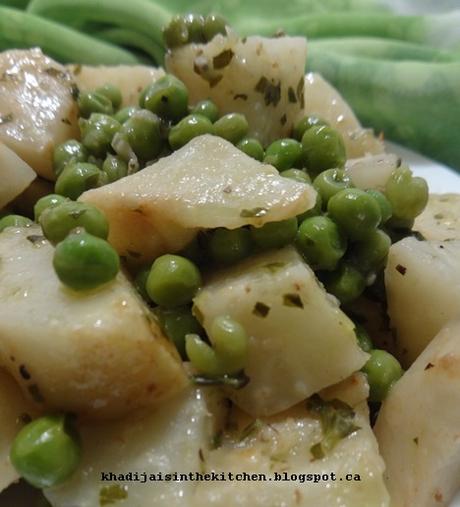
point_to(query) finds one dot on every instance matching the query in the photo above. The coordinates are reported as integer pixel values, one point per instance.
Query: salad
(217, 288)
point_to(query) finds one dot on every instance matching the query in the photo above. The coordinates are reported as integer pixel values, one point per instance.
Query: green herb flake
(203, 69)
(261, 309)
(237, 381)
(56, 73)
(6, 118)
(108, 495)
(77, 69)
(66, 121)
(223, 59)
(35, 393)
(337, 422)
(251, 429)
(292, 300)
(301, 92)
(274, 267)
(291, 95)
(271, 91)
(253, 213)
(74, 91)
(415, 440)
(241, 96)
(283, 119)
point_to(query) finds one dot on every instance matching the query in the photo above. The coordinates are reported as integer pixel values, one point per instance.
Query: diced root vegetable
(206, 184)
(130, 79)
(440, 220)
(422, 280)
(300, 340)
(417, 427)
(39, 110)
(99, 355)
(324, 101)
(260, 77)
(15, 175)
(372, 171)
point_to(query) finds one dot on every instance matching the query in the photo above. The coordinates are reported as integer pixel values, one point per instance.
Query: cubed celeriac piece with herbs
(325, 102)
(130, 79)
(417, 427)
(15, 411)
(15, 175)
(299, 339)
(440, 220)
(201, 432)
(38, 107)
(206, 184)
(260, 77)
(422, 280)
(98, 354)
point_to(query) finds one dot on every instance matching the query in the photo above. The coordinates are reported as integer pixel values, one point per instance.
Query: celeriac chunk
(38, 107)
(422, 280)
(208, 183)
(440, 219)
(130, 79)
(13, 409)
(324, 101)
(260, 77)
(15, 175)
(97, 354)
(182, 437)
(300, 341)
(417, 427)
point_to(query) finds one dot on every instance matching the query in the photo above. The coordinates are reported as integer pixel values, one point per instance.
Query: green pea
(14, 221)
(306, 123)
(227, 246)
(312, 212)
(167, 97)
(323, 148)
(252, 148)
(202, 356)
(84, 262)
(195, 28)
(46, 452)
(321, 243)
(143, 134)
(385, 206)
(346, 284)
(274, 234)
(206, 108)
(232, 127)
(115, 168)
(231, 343)
(214, 25)
(48, 201)
(175, 34)
(97, 133)
(125, 114)
(363, 338)
(408, 194)
(177, 323)
(94, 102)
(191, 126)
(173, 281)
(331, 181)
(371, 254)
(66, 153)
(355, 211)
(58, 221)
(297, 175)
(283, 154)
(112, 92)
(76, 179)
(383, 371)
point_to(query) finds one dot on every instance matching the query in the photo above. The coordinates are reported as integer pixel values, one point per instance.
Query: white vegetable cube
(417, 427)
(422, 280)
(300, 340)
(440, 220)
(263, 78)
(206, 184)
(15, 174)
(38, 107)
(97, 354)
